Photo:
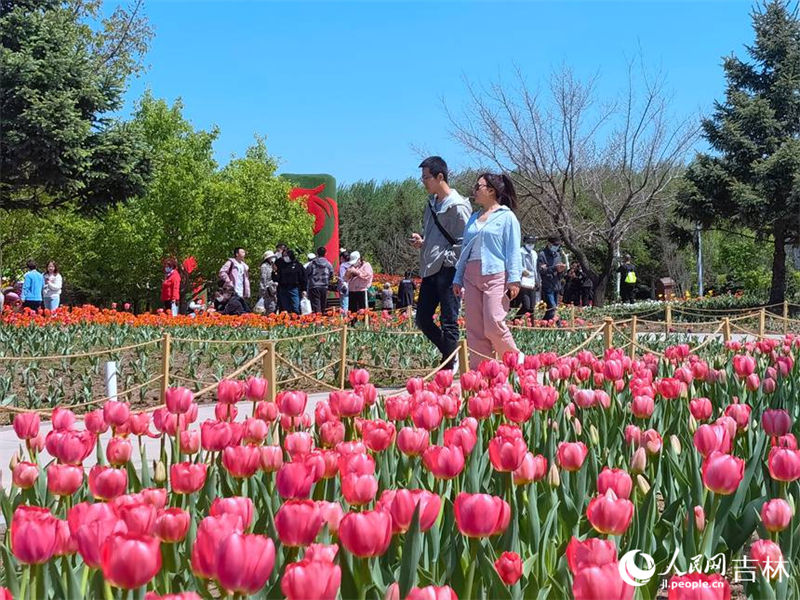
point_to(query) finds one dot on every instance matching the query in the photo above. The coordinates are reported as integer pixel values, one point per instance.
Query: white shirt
(529, 257)
(238, 277)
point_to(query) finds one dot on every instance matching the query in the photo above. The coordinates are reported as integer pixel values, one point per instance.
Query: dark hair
(321, 251)
(436, 165)
(171, 262)
(279, 246)
(407, 275)
(236, 250)
(554, 239)
(503, 187)
(55, 265)
(31, 264)
(290, 254)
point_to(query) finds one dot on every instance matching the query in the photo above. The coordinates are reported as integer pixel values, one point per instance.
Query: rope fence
(269, 358)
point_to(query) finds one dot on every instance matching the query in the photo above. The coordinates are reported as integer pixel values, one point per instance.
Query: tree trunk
(777, 292)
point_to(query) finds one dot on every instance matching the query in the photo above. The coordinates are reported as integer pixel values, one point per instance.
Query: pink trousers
(485, 309)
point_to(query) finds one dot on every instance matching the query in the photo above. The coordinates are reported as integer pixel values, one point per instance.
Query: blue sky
(355, 89)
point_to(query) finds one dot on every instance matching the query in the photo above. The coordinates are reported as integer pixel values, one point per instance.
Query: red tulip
(710, 438)
(255, 388)
(377, 435)
(776, 422)
(346, 404)
(359, 489)
(294, 480)
(210, 534)
(116, 413)
(65, 544)
(33, 534)
(533, 468)
(179, 400)
(768, 556)
(776, 514)
(26, 425)
(233, 505)
(187, 477)
(106, 483)
(509, 567)
(118, 451)
(739, 413)
(652, 442)
(432, 592)
(95, 421)
(298, 522)
(592, 552)
(229, 391)
(311, 580)
(601, 583)
(321, 552)
(402, 503)
(332, 514)
(90, 526)
(225, 412)
(608, 514)
(63, 418)
(614, 479)
(743, 365)
(698, 586)
(398, 408)
(245, 562)
(784, 464)
(358, 377)
(722, 473)
(241, 461)
(480, 405)
(331, 433)
(462, 436)
(172, 525)
(64, 480)
(700, 408)
(139, 423)
(412, 441)
(366, 533)
(266, 411)
(70, 447)
(271, 458)
(481, 515)
(139, 518)
(507, 452)
(445, 462)
(642, 407)
(291, 404)
(130, 561)
(570, 455)
(517, 409)
(24, 475)
(190, 441)
(670, 388)
(427, 415)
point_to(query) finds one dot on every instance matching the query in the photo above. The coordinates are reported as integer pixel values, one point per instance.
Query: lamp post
(699, 232)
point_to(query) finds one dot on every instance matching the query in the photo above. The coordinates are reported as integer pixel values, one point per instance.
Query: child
(387, 299)
(305, 304)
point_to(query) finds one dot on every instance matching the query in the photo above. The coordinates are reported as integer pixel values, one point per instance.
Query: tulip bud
(642, 485)
(699, 518)
(692, 424)
(675, 443)
(639, 461)
(160, 472)
(576, 425)
(594, 435)
(12, 464)
(553, 478)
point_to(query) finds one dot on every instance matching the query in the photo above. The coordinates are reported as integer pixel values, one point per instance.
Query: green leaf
(412, 552)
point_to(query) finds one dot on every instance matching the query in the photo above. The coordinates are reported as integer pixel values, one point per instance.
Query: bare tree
(595, 173)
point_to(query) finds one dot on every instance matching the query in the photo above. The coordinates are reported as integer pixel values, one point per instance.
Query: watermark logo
(630, 571)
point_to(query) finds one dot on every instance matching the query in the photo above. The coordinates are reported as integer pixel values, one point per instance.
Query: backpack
(630, 277)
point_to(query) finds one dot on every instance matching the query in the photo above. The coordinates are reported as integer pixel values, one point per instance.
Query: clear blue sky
(354, 88)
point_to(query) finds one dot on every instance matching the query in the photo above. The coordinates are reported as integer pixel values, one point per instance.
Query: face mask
(286, 259)
(554, 248)
(529, 246)
(167, 270)
(278, 254)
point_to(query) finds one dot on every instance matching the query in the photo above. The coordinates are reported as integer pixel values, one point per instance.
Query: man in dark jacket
(319, 273)
(405, 291)
(291, 278)
(627, 284)
(551, 264)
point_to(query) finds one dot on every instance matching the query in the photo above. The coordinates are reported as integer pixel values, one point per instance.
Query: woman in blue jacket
(489, 269)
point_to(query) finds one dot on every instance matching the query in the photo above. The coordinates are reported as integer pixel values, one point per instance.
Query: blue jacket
(32, 286)
(500, 250)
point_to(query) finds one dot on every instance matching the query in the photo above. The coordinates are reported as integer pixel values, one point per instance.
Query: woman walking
(53, 282)
(171, 287)
(489, 269)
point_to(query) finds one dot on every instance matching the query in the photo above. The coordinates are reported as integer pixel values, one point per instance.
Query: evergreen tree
(752, 178)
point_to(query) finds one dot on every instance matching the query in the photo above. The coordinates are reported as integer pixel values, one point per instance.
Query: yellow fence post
(166, 347)
(463, 357)
(269, 369)
(572, 317)
(608, 333)
(762, 322)
(668, 317)
(343, 357)
(366, 320)
(409, 312)
(632, 350)
(785, 316)
(726, 329)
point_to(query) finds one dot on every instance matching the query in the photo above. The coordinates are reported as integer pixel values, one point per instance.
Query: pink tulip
(179, 400)
(26, 425)
(210, 534)
(608, 514)
(366, 533)
(116, 413)
(106, 483)
(90, 526)
(593, 583)
(768, 556)
(481, 515)
(139, 518)
(378, 435)
(118, 451)
(776, 422)
(743, 365)
(271, 458)
(63, 418)
(506, 453)
(70, 447)
(291, 404)
(784, 464)
(234, 505)
(776, 514)
(642, 407)
(359, 489)
(462, 436)
(311, 580)
(700, 408)
(298, 522)
(533, 468)
(592, 552)
(402, 503)
(172, 525)
(190, 441)
(294, 480)
(266, 411)
(95, 421)
(570, 455)
(412, 441)
(24, 475)
(64, 480)
(187, 477)
(255, 388)
(614, 479)
(445, 462)
(722, 473)
(33, 534)
(241, 461)
(229, 391)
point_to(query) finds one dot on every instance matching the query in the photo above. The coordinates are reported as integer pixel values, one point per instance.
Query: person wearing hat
(309, 257)
(529, 284)
(267, 288)
(551, 265)
(319, 273)
(359, 278)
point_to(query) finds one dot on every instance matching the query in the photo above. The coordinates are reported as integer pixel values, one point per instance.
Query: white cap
(311, 256)
(354, 256)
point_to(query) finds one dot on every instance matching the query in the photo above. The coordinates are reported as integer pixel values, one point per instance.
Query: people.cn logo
(631, 573)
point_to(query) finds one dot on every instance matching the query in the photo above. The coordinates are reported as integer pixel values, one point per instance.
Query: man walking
(319, 273)
(551, 265)
(446, 215)
(529, 283)
(236, 273)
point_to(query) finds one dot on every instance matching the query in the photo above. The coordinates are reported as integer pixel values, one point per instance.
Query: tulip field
(595, 474)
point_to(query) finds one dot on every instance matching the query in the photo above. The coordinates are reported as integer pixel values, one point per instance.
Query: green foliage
(64, 72)
(753, 178)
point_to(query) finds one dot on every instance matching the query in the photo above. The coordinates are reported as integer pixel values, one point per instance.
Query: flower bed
(533, 480)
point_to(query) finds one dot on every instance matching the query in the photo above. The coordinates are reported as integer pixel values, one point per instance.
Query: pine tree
(752, 177)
